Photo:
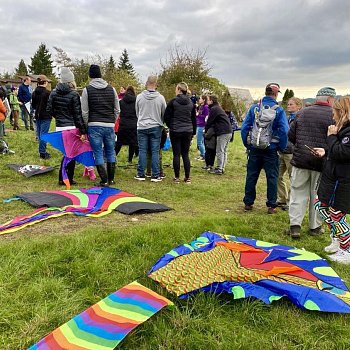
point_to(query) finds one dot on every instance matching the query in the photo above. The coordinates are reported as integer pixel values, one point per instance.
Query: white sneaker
(333, 247)
(341, 256)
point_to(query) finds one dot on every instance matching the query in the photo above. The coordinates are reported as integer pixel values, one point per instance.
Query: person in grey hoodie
(150, 106)
(100, 108)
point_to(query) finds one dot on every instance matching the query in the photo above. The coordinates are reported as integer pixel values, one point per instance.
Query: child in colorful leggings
(334, 189)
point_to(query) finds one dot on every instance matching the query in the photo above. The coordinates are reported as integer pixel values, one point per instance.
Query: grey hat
(326, 91)
(67, 75)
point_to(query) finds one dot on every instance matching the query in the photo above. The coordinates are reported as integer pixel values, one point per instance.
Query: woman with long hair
(202, 117)
(180, 117)
(333, 193)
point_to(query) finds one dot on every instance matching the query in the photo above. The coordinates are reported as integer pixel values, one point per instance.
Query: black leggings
(133, 149)
(210, 157)
(181, 142)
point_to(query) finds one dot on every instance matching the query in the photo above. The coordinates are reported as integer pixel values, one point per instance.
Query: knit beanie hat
(326, 91)
(67, 75)
(95, 71)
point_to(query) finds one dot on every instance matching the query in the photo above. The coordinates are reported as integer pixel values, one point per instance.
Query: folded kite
(69, 143)
(29, 170)
(94, 202)
(246, 268)
(104, 325)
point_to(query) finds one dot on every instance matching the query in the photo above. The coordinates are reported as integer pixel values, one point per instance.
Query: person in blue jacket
(267, 158)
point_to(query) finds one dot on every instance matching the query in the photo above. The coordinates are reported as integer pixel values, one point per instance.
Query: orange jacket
(2, 111)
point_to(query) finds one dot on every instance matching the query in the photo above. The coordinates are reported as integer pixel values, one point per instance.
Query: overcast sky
(301, 44)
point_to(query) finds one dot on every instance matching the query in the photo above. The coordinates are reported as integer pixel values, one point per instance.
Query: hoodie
(128, 118)
(180, 115)
(100, 104)
(40, 98)
(150, 106)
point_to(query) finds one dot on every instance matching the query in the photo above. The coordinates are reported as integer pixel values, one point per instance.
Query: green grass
(52, 271)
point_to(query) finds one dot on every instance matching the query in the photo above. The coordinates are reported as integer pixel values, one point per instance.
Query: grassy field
(51, 271)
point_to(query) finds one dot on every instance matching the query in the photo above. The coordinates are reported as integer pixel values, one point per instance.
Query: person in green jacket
(15, 106)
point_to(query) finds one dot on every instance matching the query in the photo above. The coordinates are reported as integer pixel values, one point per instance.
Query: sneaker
(271, 210)
(333, 247)
(176, 180)
(216, 171)
(281, 204)
(140, 177)
(248, 207)
(341, 256)
(45, 155)
(187, 180)
(148, 175)
(162, 175)
(316, 231)
(294, 231)
(206, 167)
(156, 179)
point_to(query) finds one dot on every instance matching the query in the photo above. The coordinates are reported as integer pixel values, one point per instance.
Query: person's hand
(319, 152)
(332, 130)
(82, 138)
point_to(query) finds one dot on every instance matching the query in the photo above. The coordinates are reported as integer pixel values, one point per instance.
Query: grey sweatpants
(303, 194)
(221, 150)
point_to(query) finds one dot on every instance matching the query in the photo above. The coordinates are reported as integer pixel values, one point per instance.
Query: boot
(111, 172)
(103, 175)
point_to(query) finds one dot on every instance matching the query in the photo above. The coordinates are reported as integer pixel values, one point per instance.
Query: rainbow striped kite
(104, 325)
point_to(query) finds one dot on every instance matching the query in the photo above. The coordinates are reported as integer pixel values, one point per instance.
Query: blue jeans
(266, 159)
(149, 139)
(100, 138)
(200, 140)
(42, 127)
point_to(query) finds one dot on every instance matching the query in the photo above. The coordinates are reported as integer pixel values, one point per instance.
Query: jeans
(200, 140)
(266, 159)
(100, 138)
(42, 127)
(221, 150)
(149, 139)
(181, 142)
(27, 117)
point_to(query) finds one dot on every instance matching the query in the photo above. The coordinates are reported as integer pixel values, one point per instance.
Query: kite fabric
(94, 202)
(246, 268)
(104, 325)
(69, 143)
(29, 170)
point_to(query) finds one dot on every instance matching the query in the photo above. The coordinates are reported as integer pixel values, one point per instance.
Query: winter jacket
(310, 128)
(290, 147)
(128, 118)
(180, 115)
(2, 111)
(64, 106)
(202, 115)
(218, 120)
(150, 106)
(24, 94)
(13, 100)
(40, 98)
(279, 125)
(334, 185)
(100, 104)
(210, 139)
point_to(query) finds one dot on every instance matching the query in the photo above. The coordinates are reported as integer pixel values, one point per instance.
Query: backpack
(260, 136)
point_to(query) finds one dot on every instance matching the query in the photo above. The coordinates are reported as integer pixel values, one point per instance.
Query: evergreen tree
(22, 68)
(124, 63)
(110, 69)
(61, 58)
(41, 62)
(286, 97)
(291, 93)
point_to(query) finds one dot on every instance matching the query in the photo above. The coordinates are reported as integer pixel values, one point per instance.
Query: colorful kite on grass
(69, 143)
(246, 267)
(104, 325)
(93, 202)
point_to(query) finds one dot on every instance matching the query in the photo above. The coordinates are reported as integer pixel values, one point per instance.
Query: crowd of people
(309, 144)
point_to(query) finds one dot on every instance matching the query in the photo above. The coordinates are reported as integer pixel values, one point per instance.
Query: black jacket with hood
(334, 186)
(180, 115)
(64, 106)
(218, 120)
(40, 99)
(128, 117)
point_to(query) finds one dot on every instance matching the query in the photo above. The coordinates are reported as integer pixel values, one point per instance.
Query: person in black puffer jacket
(334, 188)
(309, 130)
(127, 133)
(218, 120)
(64, 105)
(180, 117)
(40, 99)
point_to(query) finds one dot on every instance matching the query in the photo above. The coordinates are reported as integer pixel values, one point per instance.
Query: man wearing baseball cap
(309, 130)
(266, 158)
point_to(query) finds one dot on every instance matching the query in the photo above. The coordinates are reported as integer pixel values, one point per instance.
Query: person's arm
(169, 113)
(77, 114)
(116, 105)
(247, 125)
(34, 100)
(163, 107)
(193, 118)
(282, 129)
(338, 149)
(85, 106)
(49, 106)
(292, 132)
